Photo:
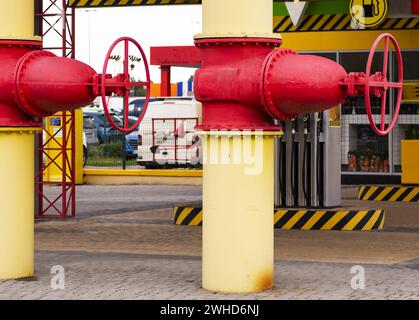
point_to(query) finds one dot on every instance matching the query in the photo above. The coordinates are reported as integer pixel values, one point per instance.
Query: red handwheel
(383, 85)
(122, 84)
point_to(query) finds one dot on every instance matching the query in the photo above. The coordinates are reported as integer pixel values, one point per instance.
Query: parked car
(166, 136)
(96, 123)
(135, 107)
(132, 142)
(104, 130)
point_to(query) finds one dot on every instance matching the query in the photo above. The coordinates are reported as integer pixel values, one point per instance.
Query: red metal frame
(165, 88)
(58, 20)
(174, 56)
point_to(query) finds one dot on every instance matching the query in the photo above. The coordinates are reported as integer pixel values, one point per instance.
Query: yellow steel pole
(17, 202)
(237, 18)
(17, 20)
(238, 185)
(17, 164)
(238, 212)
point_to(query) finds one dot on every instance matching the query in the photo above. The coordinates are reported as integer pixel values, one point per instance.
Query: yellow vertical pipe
(17, 164)
(238, 205)
(16, 202)
(238, 202)
(17, 20)
(237, 18)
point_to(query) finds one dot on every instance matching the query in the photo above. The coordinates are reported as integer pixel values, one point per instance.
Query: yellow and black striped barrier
(304, 219)
(388, 193)
(338, 22)
(121, 3)
(345, 220)
(188, 216)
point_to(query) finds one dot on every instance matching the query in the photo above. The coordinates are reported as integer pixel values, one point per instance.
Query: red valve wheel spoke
(387, 84)
(138, 84)
(384, 84)
(385, 57)
(127, 80)
(383, 111)
(125, 85)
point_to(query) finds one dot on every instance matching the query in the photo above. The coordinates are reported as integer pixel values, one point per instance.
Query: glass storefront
(362, 150)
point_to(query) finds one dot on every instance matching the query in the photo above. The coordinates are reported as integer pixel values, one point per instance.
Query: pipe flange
(19, 83)
(265, 93)
(33, 44)
(228, 127)
(237, 35)
(206, 42)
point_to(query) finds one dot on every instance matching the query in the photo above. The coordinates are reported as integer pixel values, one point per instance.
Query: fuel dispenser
(307, 171)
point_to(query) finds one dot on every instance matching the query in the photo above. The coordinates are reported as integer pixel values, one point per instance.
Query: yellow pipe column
(17, 202)
(238, 197)
(17, 164)
(238, 175)
(237, 18)
(17, 20)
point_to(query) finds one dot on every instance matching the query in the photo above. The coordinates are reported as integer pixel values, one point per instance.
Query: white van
(166, 135)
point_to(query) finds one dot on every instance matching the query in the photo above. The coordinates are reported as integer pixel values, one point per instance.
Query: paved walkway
(138, 253)
(136, 276)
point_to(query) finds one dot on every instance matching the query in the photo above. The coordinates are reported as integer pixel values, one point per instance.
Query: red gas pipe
(246, 83)
(36, 83)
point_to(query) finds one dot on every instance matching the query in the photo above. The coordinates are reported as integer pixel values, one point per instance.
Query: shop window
(367, 151)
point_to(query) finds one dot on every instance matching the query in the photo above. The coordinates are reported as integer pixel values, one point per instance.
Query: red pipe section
(246, 83)
(296, 84)
(36, 83)
(46, 84)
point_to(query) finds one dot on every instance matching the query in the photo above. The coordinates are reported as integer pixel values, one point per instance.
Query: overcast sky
(150, 26)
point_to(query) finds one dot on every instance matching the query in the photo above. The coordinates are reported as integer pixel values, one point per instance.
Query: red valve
(383, 84)
(121, 85)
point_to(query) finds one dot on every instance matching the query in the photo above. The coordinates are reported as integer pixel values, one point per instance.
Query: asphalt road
(99, 200)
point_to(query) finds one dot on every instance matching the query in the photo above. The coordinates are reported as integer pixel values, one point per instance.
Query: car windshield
(99, 119)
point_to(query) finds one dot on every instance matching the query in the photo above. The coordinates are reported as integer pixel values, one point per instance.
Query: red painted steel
(377, 84)
(10, 53)
(31, 85)
(167, 57)
(415, 7)
(42, 91)
(121, 84)
(294, 84)
(179, 56)
(246, 83)
(165, 88)
(228, 83)
(384, 85)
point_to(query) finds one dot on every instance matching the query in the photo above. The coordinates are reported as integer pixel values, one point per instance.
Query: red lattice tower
(56, 23)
